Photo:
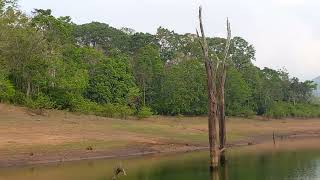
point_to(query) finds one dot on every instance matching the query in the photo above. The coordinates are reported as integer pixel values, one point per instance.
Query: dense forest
(49, 62)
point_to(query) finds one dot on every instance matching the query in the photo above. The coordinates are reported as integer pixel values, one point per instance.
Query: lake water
(263, 162)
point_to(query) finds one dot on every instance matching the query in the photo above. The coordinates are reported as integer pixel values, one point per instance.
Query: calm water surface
(250, 163)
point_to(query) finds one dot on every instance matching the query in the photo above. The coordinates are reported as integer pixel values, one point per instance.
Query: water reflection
(241, 165)
(221, 174)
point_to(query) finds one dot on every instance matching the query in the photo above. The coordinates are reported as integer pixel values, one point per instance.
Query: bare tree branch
(200, 42)
(204, 41)
(228, 42)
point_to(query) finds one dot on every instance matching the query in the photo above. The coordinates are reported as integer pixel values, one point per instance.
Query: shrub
(7, 90)
(239, 110)
(124, 111)
(43, 101)
(40, 101)
(77, 103)
(144, 112)
(19, 98)
(114, 111)
(283, 109)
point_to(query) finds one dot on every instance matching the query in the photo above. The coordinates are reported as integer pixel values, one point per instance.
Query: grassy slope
(60, 132)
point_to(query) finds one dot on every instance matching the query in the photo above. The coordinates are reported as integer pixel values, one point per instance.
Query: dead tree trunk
(222, 120)
(212, 100)
(212, 119)
(216, 76)
(221, 95)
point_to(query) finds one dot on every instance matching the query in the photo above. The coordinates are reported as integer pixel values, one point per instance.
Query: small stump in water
(89, 148)
(118, 171)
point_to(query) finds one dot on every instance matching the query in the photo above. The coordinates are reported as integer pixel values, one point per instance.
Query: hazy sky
(285, 33)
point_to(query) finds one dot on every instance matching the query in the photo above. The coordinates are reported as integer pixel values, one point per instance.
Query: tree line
(49, 62)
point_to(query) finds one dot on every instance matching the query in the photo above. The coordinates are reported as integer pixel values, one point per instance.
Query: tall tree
(237, 94)
(24, 52)
(103, 37)
(148, 70)
(184, 89)
(216, 75)
(242, 53)
(212, 100)
(112, 81)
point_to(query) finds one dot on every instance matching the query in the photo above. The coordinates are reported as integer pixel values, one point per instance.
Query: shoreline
(147, 150)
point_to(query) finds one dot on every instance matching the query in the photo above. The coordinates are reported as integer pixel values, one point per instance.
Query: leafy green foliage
(40, 101)
(144, 112)
(184, 89)
(237, 95)
(49, 62)
(112, 81)
(283, 109)
(7, 90)
(148, 70)
(102, 36)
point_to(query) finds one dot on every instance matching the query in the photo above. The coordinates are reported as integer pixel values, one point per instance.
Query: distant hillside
(317, 92)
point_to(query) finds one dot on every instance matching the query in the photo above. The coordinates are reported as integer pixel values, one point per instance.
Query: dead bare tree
(222, 74)
(216, 75)
(212, 101)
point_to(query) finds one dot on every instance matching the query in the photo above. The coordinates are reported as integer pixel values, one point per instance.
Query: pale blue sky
(285, 33)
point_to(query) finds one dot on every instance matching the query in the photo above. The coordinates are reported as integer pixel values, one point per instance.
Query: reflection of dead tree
(117, 171)
(216, 76)
(214, 175)
(221, 174)
(224, 172)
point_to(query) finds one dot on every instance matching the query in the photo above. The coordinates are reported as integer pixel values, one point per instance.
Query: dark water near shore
(250, 163)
